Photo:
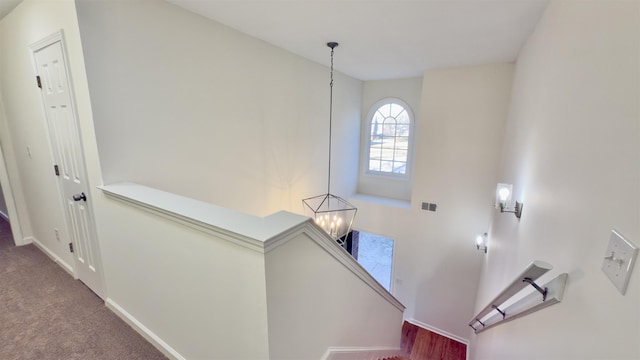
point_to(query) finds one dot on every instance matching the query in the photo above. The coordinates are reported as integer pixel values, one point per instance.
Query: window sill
(404, 204)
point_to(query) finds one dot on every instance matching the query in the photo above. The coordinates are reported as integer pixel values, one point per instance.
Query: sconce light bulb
(504, 194)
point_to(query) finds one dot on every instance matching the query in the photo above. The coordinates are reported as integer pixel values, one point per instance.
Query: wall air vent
(429, 206)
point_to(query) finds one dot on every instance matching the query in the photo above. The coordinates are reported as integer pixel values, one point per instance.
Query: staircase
(421, 344)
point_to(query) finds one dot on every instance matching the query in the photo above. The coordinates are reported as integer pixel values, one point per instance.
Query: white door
(57, 95)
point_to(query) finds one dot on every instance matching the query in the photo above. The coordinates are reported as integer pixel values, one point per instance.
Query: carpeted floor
(46, 314)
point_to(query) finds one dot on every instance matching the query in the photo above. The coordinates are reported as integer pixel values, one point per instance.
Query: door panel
(67, 150)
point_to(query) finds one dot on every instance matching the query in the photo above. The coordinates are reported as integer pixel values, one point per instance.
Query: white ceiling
(379, 39)
(382, 39)
(7, 5)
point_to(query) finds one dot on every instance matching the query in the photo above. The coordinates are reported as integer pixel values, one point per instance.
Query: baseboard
(23, 241)
(359, 353)
(439, 331)
(149, 335)
(68, 268)
(4, 216)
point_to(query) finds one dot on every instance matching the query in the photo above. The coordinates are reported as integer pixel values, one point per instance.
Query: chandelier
(332, 213)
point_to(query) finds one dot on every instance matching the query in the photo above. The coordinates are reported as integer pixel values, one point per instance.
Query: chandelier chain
(332, 213)
(332, 46)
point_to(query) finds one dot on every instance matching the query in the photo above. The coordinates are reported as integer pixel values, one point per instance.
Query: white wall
(459, 138)
(185, 104)
(3, 207)
(572, 151)
(409, 91)
(202, 295)
(9, 197)
(204, 282)
(166, 98)
(315, 302)
(33, 182)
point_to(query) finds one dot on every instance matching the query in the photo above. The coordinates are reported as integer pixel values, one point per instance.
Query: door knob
(78, 197)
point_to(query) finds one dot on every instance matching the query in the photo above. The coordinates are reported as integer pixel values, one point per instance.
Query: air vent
(429, 206)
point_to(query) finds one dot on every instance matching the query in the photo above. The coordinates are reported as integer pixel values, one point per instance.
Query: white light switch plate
(618, 260)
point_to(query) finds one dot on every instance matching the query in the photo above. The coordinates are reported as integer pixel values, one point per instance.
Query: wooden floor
(421, 344)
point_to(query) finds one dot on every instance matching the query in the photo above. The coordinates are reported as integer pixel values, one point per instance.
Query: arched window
(389, 136)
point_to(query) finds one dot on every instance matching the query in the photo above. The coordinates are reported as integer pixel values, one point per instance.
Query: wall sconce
(503, 200)
(481, 242)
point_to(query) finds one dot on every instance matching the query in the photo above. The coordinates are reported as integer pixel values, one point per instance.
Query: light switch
(618, 260)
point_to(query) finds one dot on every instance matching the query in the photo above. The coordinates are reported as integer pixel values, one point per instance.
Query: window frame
(366, 148)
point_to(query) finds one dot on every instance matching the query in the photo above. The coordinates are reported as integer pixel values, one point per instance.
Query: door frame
(58, 36)
(5, 187)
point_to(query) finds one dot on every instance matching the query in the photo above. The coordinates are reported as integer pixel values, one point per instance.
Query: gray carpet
(46, 314)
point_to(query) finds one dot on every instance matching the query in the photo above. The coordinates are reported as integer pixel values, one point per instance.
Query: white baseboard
(24, 241)
(439, 331)
(149, 335)
(359, 353)
(68, 268)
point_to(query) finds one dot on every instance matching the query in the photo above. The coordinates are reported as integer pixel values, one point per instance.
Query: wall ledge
(242, 229)
(373, 199)
(252, 232)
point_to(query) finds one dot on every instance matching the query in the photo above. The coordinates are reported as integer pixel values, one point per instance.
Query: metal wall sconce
(482, 242)
(503, 200)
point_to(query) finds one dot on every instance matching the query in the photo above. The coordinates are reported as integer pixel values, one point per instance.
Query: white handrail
(243, 229)
(499, 310)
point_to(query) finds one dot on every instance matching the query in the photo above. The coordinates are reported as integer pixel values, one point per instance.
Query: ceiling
(383, 39)
(379, 39)
(7, 5)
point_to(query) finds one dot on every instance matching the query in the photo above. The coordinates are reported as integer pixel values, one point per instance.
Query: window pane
(403, 117)
(402, 130)
(375, 153)
(399, 168)
(402, 142)
(400, 155)
(378, 118)
(386, 166)
(375, 253)
(388, 142)
(389, 129)
(385, 110)
(387, 154)
(396, 109)
(374, 165)
(376, 126)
